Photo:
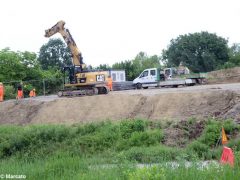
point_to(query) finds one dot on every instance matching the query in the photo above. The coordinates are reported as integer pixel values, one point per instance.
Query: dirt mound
(19, 113)
(173, 106)
(230, 75)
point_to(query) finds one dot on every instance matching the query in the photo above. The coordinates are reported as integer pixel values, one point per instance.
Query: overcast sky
(108, 31)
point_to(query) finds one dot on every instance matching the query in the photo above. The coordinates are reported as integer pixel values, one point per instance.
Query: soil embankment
(116, 106)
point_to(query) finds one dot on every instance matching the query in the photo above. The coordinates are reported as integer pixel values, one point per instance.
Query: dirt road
(221, 100)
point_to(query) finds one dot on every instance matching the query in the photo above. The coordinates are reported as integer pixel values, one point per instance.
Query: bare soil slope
(117, 106)
(231, 75)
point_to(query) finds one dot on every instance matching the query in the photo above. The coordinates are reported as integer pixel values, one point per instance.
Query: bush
(146, 138)
(9, 92)
(212, 132)
(96, 138)
(152, 154)
(229, 126)
(87, 129)
(202, 150)
(127, 127)
(32, 139)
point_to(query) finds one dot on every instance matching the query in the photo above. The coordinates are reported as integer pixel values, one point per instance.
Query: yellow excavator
(80, 80)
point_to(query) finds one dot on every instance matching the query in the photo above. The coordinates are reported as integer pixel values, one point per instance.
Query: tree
(234, 54)
(11, 66)
(32, 66)
(16, 66)
(104, 67)
(54, 54)
(126, 65)
(200, 52)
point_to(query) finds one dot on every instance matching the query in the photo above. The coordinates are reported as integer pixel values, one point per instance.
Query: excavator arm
(76, 54)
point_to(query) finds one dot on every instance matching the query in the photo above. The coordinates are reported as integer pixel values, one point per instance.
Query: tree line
(200, 52)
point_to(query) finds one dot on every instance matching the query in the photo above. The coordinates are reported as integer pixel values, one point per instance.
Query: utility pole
(44, 92)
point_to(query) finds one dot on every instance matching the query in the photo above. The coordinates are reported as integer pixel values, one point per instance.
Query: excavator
(81, 81)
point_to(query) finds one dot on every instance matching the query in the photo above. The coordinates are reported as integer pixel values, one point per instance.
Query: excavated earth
(218, 101)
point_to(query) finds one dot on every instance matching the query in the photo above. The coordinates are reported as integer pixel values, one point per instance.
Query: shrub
(202, 150)
(146, 138)
(212, 132)
(88, 128)
(152, 154)
(229, 126)
(98, 140)
(9, 92)
(32, 139)
(127, 127)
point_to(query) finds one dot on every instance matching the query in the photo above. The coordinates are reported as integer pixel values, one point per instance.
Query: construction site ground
(201, 102)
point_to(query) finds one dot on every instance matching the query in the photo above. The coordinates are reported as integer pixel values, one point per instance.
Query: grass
(68, 167)
(110, 151)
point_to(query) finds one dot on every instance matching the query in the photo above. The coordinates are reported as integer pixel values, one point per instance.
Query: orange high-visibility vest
(109, 80)
(1, 90)
(32, 93)
(109, 83)
(1, 93)
(20, 94)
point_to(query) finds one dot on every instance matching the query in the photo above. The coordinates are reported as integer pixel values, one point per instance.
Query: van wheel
(145, 87)
(139, 86)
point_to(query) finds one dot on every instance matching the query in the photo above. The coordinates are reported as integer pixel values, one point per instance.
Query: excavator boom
(77, 55)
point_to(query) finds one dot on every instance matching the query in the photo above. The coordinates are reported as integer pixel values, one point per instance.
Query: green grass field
(109, 150)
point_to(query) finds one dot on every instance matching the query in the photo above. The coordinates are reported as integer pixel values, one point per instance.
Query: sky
(110, 31)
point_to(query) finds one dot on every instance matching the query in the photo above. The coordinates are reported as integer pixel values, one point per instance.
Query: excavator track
(84, 92)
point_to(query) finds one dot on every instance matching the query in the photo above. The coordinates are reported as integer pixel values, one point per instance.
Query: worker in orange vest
(19, 92)
(32, 93)
(1, 92)
(109, 83)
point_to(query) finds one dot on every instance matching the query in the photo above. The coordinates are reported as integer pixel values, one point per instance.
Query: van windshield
(144, 74)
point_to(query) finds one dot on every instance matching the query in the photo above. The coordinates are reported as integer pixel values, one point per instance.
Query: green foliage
(9, 92)
(152, 172)
(212, 132)
(152, 154)
(200, 52)
(127, 127)
(234, 54)
(89, 152)
(211, 137)
(134, 67)
(18, 66)
(30, 139)
(104, 67)
(202, 150)
(234, 57)
(127, 65)
(66, 166)
(147, 138)
(96, 138)
(133, 140)
(54, 54)
(230, 127)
